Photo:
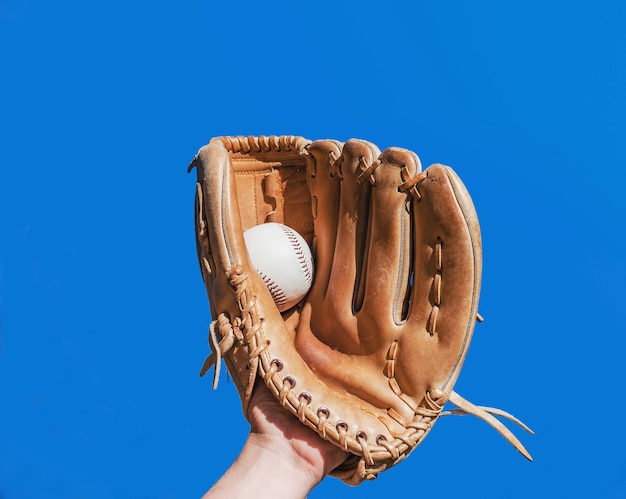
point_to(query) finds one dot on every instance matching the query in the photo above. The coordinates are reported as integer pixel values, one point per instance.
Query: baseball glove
(370, 356)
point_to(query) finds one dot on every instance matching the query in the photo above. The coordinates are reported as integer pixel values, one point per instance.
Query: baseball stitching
(299, 253)
(278, 294)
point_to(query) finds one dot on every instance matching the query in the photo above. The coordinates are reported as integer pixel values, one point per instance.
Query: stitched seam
(300, 254)
(262, 143)
(278, 295)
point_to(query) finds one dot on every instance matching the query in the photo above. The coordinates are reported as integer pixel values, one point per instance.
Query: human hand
(281, 458)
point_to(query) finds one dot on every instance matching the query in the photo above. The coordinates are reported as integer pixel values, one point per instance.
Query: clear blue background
(103, 312)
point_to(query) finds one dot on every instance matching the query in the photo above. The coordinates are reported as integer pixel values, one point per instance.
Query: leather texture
(370, 357)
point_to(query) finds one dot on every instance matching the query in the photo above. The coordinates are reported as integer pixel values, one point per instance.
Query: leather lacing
(411, 183)
(334, 162)
(264, 143)
(367, 171)
(247, 332)
(221, 347)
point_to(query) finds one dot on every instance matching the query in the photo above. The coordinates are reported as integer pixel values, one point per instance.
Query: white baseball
(284, 261)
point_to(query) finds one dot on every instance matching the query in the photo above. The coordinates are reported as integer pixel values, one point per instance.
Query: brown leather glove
(370, 357)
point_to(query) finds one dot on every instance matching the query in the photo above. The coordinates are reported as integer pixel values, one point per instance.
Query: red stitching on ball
(277, 294)
(302, 260)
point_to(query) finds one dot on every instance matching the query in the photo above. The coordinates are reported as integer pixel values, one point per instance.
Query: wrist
(282, 458)
(268, 468)
(295, 466)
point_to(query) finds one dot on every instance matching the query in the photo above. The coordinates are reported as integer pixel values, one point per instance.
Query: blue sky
(103, 312)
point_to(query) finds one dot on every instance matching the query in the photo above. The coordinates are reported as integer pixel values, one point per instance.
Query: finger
(341, 205)
(447, 276)
(324, 189)
(388, 269)
(348, 258)
(220, 204)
